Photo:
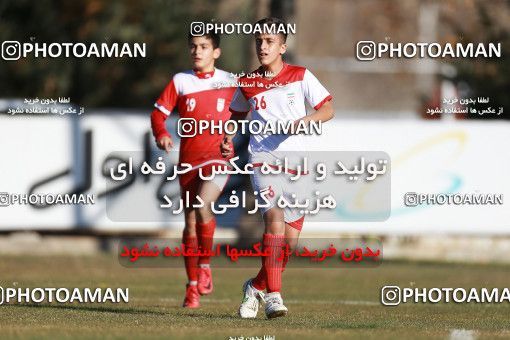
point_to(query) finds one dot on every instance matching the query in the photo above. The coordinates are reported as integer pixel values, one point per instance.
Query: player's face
(269, 47)
(203, 54)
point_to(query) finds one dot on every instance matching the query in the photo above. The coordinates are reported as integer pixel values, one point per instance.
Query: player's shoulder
(225, 77)
(222, 73)
(183, 75)
(295, 68)
(289, 72)
(294, 72)
(184, 81)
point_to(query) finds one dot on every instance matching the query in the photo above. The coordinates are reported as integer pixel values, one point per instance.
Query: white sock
(204, 265)
(192, 283)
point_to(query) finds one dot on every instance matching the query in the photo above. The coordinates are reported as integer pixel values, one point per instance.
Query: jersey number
(259, 104)
(190, 104)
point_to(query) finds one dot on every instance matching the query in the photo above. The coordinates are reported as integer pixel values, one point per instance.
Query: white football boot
(274, 305)
(251, 299)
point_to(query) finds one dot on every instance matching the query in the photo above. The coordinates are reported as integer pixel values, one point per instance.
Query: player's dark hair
(273, 21)
(215, 38)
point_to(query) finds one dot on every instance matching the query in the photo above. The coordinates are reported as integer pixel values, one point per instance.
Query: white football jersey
(281, 98)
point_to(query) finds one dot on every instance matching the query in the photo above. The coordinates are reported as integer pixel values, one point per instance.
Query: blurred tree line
(485, 77)
(164, 25)
(108, 82)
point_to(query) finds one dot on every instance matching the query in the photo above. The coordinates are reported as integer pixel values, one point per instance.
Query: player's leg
(273, 222)
(273, 239)
(189, 184)
(189, 239)
(293, 220)
(293, 223)
(253, 288)
(209, 192)
(292, 232)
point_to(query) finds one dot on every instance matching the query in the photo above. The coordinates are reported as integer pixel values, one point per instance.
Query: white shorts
(281, 185)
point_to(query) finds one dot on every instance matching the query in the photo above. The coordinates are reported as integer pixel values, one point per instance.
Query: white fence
(61, 155)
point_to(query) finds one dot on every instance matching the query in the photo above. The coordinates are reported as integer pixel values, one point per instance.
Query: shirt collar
(204, 75)
(260, 70)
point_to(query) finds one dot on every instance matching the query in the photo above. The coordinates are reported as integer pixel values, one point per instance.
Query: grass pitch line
(462, 334)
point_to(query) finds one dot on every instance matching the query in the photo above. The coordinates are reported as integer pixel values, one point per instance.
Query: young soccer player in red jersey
(285, 101)
(195, 95)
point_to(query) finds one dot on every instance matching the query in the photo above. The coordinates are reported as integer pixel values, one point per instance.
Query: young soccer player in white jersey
(285, 102)
(195, 95)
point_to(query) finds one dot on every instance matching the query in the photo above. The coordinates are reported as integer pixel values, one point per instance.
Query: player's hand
(295, 126)
(165, 144)
(227, 147)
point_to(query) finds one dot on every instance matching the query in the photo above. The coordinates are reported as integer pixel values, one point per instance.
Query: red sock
(285, 260)
(190, 262)
(259, 282)
(272, 265)
(205, 233)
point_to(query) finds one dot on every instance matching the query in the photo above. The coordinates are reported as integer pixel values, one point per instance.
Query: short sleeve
(168, 99)
(315, 93)
(239, 103)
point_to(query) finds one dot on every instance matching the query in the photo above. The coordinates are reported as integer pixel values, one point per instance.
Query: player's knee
(204, 214)
(274, 221)
(190, 228)
(276, 228)
(291, 242)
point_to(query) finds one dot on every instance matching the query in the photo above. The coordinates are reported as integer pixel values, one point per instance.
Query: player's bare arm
(323, 114)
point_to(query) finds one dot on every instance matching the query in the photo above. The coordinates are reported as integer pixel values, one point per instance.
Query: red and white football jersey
(197, 96)
(281, 98)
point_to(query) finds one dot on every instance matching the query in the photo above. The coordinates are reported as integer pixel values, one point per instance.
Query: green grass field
(323, 303)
